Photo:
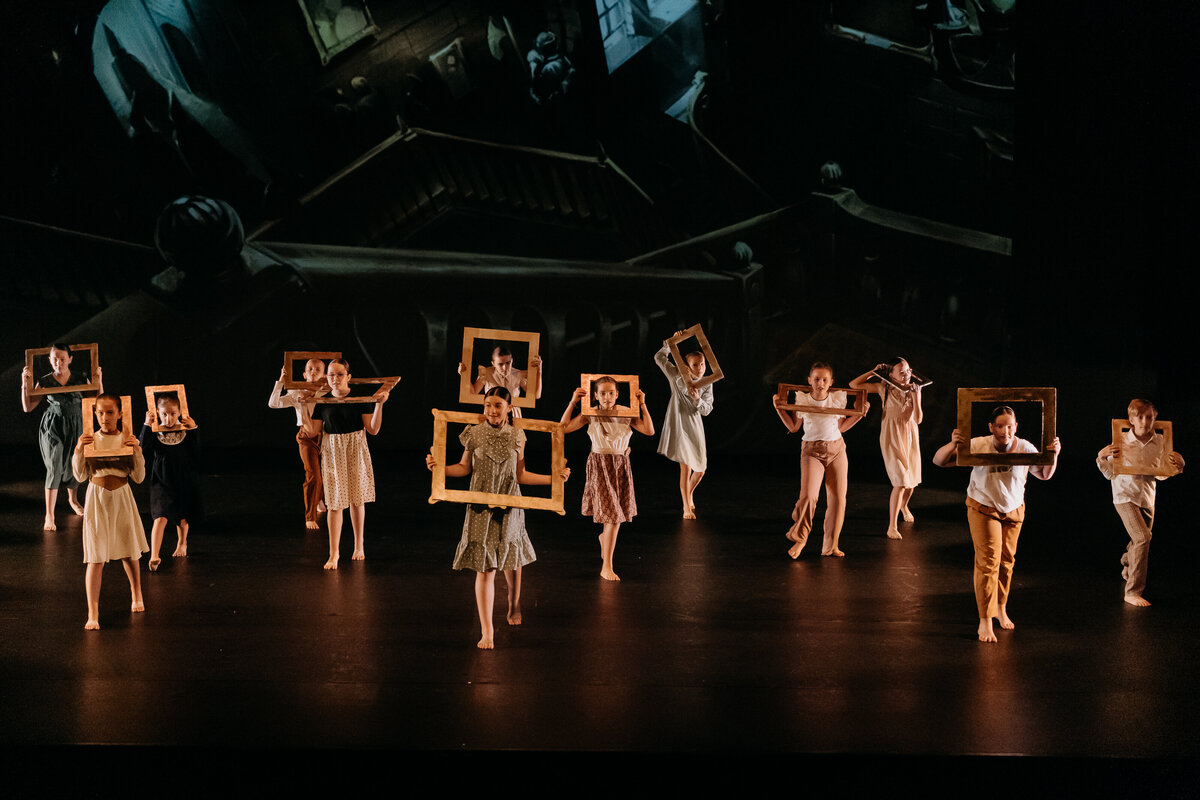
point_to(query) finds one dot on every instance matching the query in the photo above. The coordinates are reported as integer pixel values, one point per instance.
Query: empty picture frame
(1137, 465)
(439, 492)
(289, 368)
(90, 351)
(380, 384)
(586, 379)
(715, 373)
(124, 425)
(1046, 396)
(885, 374)
(856, 400)
(467, 379)
(152, 395)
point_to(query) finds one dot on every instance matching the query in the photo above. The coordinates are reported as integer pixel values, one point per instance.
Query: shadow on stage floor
(714, 641)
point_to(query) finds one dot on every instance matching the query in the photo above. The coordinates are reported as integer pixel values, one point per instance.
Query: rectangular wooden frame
(152, 404)
(885, 376)
(465, 381)
(93, 384)
(1164, 468)
(585, 383)
(698, 332)
(290, 357)
(1047, 396)
(784, 389)
(387, 384)
(439, 492)
(89, 427)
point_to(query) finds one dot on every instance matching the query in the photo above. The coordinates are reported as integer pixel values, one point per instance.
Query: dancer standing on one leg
(608, 493)
(996, 511)
(822, 460)
(899, 439)
(682, 437)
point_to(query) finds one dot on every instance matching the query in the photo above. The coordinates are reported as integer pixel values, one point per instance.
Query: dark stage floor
(714, 640)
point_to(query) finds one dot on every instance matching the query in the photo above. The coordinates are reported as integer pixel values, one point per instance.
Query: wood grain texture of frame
(152, 393)
(1047, 396)
(384, 384)
(89, 427)
(93, 384)
(465, 381)
(439, 492)
(292, 356)
(715, 373)
(1161, 469)
(885, 375)
(585, 383)
(785, 389)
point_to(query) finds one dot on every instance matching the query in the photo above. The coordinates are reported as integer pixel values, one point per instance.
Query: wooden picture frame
(290, 358)
(177, 389)
(1160, 469)
(465, 381)
(93, 384)
(585, 383)
(1047, 396)
(439, 492)
(322, 30)
(784, 390)
(383, 384)
(715, 371)
(89, 427)
(885, 375)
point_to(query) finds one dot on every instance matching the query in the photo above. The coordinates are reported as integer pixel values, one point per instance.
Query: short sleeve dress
(60, 429)
(899, 440)
(682, 438)
(493, 538)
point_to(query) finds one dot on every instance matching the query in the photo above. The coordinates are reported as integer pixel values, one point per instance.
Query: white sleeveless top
(610, 434)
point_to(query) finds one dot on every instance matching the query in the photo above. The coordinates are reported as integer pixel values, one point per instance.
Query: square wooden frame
(784, 389)
(1165, 470)
(387, 383)
(698, 332)
(886, 376)
(585, 383)
(1047, 396)
(534, 340)
(439, 492)
(152, 404)
(290, 358)
(89, 426)
(93, 384)
(327, 52)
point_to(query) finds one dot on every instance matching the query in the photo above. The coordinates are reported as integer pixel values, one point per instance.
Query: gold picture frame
(585, 383)
(384, 384)
(439, 492)
(177, 389)
(1047, 396)
(290, 358)
(784, 390)
(1161, 468)
(89, 427)
(465, 381)
(93, 384)
(715, 371)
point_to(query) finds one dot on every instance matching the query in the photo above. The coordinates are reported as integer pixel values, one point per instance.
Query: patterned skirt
(608, 493)
(346, 470)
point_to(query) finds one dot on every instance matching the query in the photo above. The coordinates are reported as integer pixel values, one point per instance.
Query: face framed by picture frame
(89, 352)
(715, 373)
(466, 393)
(381, 385)
(856, 400)
(1046, 397)
(588, 380)
(123, 426)
(174, 391)
(291, 357)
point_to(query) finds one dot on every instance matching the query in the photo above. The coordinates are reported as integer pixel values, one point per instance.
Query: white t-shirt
(822, 427)
(1001, 487)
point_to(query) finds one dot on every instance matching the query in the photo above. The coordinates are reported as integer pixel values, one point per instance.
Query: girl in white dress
(682, 437)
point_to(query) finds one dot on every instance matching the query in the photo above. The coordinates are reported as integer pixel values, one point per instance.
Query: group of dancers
(338, 473)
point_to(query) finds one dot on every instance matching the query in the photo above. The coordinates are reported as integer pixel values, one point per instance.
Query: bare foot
(180, 551)
(792, 536)
(689, 514)
(835, 553)
(608, 574)
(1005, 622)
(907, 515)
(986, 634)
(138, 606)
(49, 525)
(892, 533)
(359, 555)
(311, 525)
(154, 562)
(514, 616)
(794, 550)
(321, 508)
(485, 644)
(331, 563)
(76, 507)
(1136, 600)
(92, 625)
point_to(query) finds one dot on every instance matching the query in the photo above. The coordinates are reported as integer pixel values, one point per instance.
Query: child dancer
(996, 511)
(310, 447)
(502, 373)
(494, 539)
(608, 493)
(61, 426)
(822, 460)
(682, 437)
(346, 462)
(112, 528)
(899, 440)
(173, 461)
(1133, 495)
